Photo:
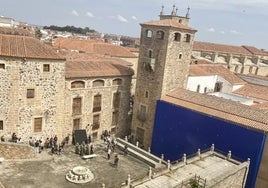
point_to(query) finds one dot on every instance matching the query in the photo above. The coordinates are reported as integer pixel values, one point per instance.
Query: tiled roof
(212, 47)
(168, 23)
(255, 51)
(97, 67)
(214, 69)
(25, 47)
(94, 47)
(15, 31)
(253, 90)
(218, 107)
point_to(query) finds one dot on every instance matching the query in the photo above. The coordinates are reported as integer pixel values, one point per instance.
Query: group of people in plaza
(84, 148)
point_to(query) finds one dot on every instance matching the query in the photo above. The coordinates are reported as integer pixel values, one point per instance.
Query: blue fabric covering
(179, 130)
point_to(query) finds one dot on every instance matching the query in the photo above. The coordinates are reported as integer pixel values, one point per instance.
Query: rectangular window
(46, 67)
(2, 66)
(142, 113)
(218, 87)
(30, 93)
(77, 106)
(1, 125)
(37, 124)
(115, 117)
(76, 124)
(96, 122)
(97, 103)
(116, 100)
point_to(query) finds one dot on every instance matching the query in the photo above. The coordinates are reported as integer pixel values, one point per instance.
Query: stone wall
(18, 111)
(87, 95)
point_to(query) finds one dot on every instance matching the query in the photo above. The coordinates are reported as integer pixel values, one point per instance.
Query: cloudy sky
(235, 22)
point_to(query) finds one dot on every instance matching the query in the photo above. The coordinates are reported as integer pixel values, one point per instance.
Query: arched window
(78, 84)
(177, 37)
(180, 56)
(98, 83)
(160, 35)
(187, 38)
(149, 33)
(117, 81)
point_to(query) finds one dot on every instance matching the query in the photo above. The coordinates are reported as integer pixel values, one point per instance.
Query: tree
(38, 33)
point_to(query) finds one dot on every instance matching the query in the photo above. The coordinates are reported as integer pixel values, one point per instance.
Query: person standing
(116, 159)
(109, 153)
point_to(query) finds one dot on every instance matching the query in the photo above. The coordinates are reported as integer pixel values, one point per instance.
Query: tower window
(187, 38)
(177, 37)
(150, 53)
(160, 35)
(250, 69)
(149, 33)
(1, 125)
(146, 94)
(180, 56)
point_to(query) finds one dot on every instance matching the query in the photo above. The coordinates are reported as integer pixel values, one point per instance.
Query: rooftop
(92, 65)
(26, 47)
(248, 116)
(169, 23)
(214, 69)
(93, 46)
(223, 48)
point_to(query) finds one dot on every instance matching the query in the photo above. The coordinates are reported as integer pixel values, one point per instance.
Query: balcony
(149, 63)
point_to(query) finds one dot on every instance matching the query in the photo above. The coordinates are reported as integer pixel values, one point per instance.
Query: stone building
(238, 59)
(32, 88)
(43, 95)
(164, 60)
(97, 96)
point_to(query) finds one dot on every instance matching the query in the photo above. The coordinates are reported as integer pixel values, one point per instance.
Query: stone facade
(29, 93)
(164, 59)
(115, 125)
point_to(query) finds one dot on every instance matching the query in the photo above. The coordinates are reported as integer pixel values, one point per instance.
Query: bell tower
(164, 60)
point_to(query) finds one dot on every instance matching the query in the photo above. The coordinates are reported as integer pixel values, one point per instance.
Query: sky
(231, 22)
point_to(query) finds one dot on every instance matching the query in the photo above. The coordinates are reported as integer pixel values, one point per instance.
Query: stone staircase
(141, 154)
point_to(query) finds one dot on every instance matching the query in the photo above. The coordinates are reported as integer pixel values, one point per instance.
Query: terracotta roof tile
(218, 107)
(212, 69)
(255, 51)
(26, 47)
(92, 65)
(169, 23)
(222, 48)
(15, 31)
(94, 47)
(253, 90)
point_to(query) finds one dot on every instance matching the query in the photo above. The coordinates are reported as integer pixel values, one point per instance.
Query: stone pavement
(48, 171)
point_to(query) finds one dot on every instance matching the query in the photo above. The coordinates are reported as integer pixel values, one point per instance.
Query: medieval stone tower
(164, 59)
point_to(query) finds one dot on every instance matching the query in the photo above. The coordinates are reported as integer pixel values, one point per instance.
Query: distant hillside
(71, 29)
